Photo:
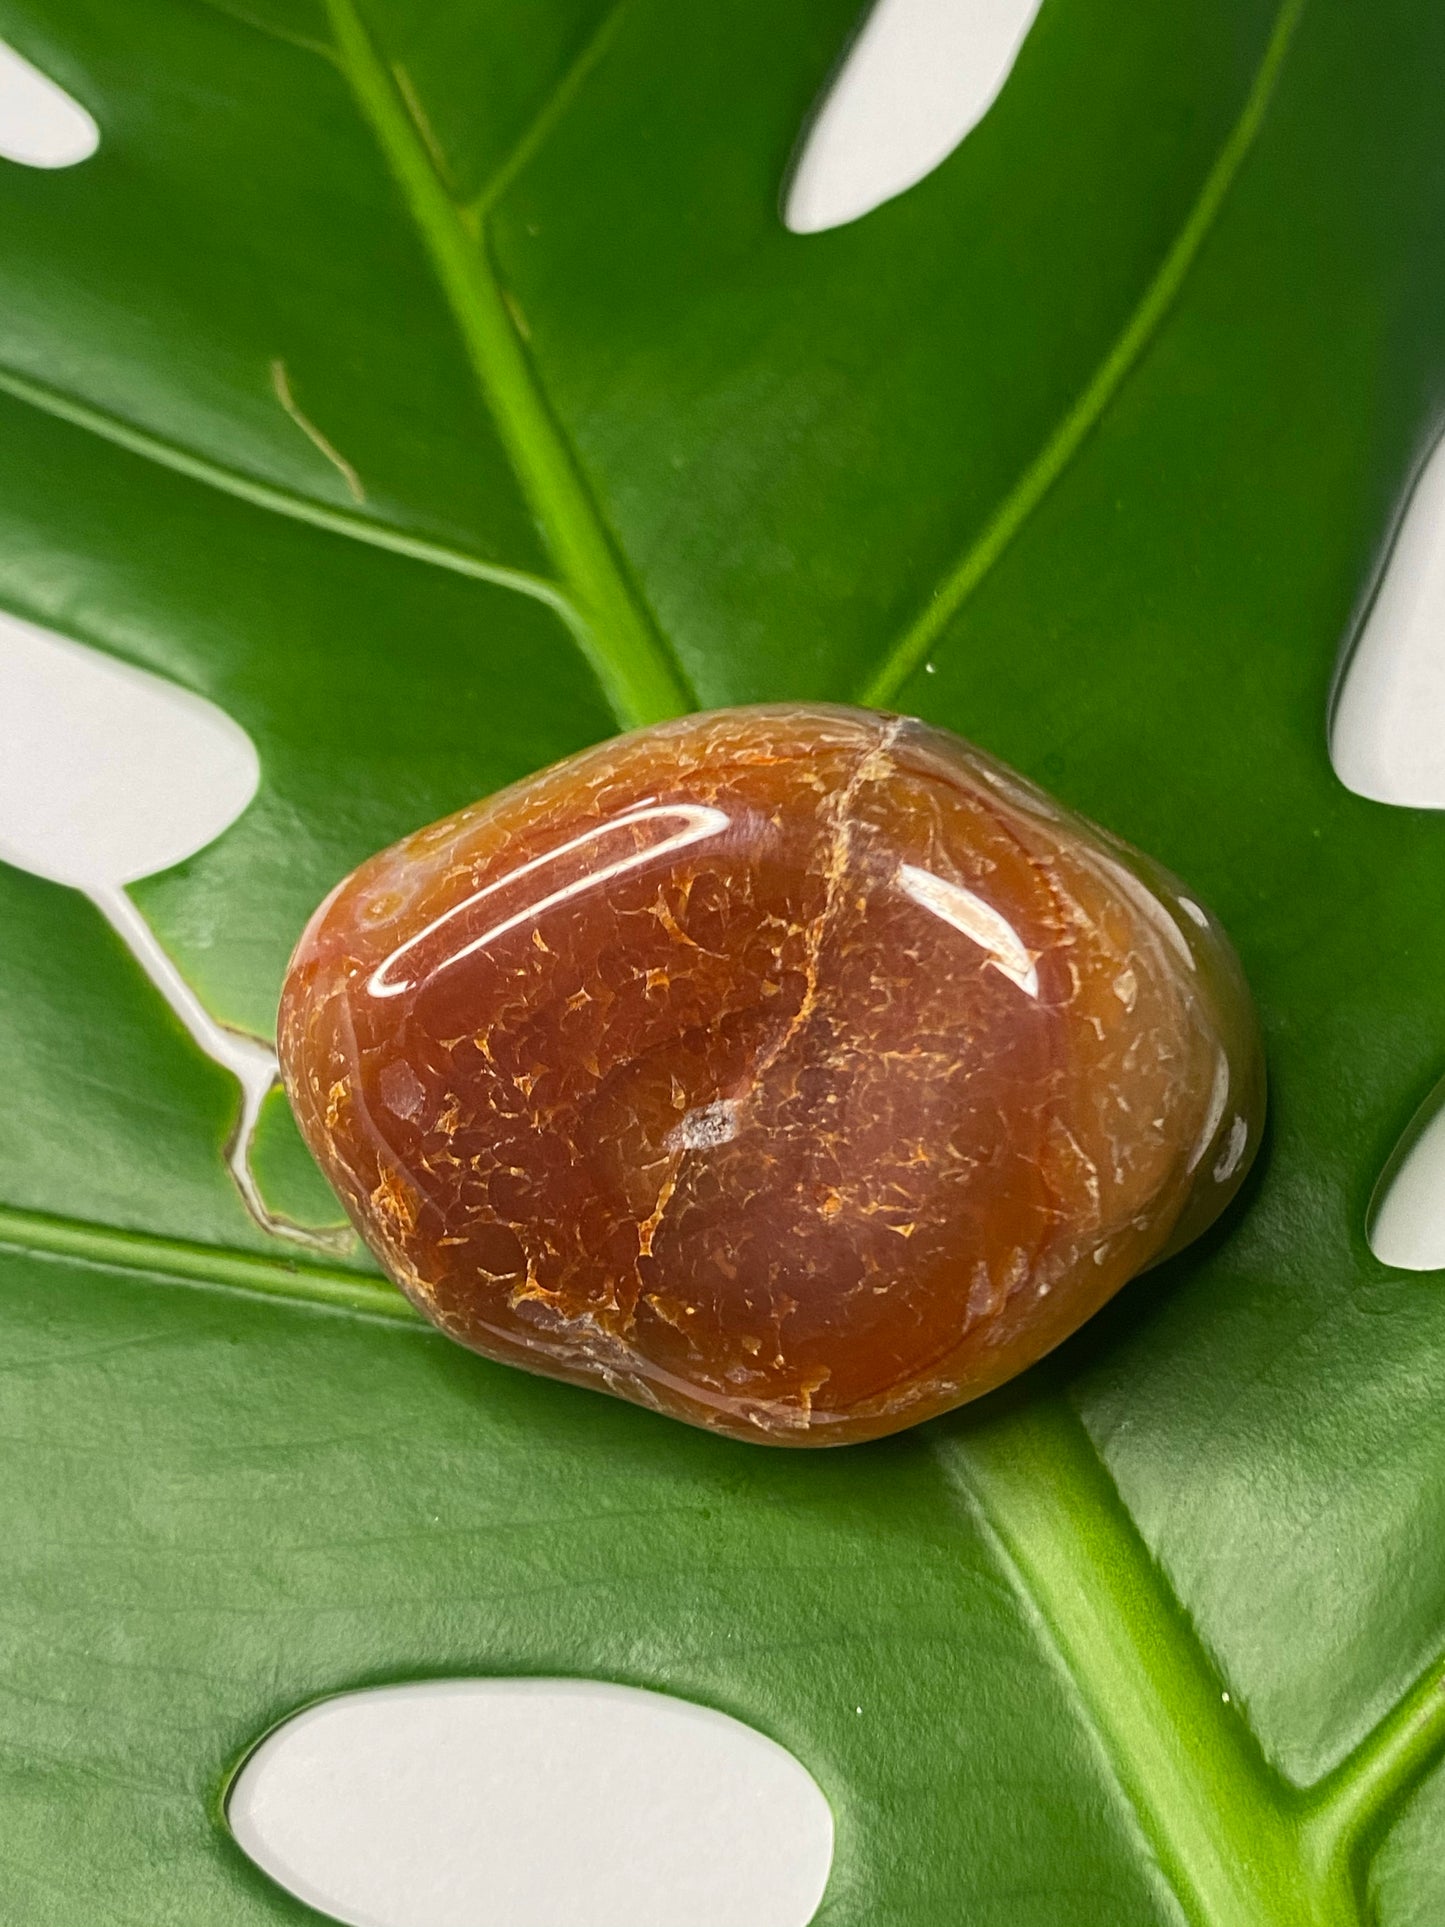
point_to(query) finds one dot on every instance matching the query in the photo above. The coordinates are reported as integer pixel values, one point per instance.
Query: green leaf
(436, 389)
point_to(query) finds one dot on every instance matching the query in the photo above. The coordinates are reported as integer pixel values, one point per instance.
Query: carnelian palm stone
(800, 1072)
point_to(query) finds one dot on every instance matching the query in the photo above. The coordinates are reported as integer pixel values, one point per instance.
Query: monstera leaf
(434, 389)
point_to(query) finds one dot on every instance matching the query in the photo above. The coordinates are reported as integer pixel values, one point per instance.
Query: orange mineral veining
(798, 1072)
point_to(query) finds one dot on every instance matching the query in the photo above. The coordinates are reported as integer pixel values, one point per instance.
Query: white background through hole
(1387, 736)
(919, 77)
(40, 125)
(1387, 742)
(1407, 1220)
(533, 1803)
(108, 773)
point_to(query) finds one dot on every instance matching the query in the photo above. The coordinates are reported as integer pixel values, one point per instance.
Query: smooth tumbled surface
(799, 1072)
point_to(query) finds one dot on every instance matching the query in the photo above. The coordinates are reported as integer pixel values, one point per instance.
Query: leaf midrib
(638, 671)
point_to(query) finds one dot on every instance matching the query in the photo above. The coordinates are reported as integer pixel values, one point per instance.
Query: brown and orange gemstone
(797, 1071)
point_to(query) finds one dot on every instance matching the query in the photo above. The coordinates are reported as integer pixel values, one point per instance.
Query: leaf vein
(282, 501)
(208, 1267)
(558, 101)
(909, 650)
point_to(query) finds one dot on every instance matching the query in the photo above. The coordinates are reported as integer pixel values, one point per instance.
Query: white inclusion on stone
(1387, 732)
(919, 77)
(40, 125)
(1192, 910)
(531, 1803)
(1218, 1098)
(976, 920)
(108, 774)
(1406, 1225)
(706, 1127)
(402, 1091)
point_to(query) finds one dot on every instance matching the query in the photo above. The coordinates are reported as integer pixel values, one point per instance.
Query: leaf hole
(918, 79)
(533, 1803)
(40, 124)
(109, 773)
(1406, 1221)
(1387, 730)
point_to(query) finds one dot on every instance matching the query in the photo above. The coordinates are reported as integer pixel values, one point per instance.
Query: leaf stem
(1223, 1825)
(636, 670)
(909, 650)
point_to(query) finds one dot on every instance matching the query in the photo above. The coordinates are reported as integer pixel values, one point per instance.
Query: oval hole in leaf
(1406, 1225)
(40, 125)
(919, 77)
(532, 1802)
(108, 773)
(1387, 734)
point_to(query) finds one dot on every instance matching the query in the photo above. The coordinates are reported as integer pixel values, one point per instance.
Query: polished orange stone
(799, 1072)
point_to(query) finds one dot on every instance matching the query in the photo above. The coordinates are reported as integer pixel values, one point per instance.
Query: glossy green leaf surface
(436, 389)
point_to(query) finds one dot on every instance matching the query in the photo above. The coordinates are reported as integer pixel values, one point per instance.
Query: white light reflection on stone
(698, 823)
(976, 920)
